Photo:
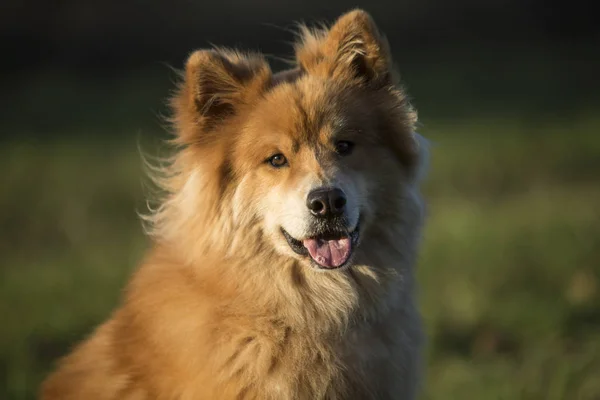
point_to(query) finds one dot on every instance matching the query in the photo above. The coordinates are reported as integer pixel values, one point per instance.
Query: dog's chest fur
(367, 357)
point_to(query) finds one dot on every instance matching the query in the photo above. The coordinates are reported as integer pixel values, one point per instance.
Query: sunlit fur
(221, 307)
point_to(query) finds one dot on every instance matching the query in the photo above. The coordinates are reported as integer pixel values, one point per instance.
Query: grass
(509, 273)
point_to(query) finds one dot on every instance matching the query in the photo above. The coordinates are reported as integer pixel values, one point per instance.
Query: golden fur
(222, 308)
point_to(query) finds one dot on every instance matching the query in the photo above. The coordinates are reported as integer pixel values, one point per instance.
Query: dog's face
(306, 179)
(313, 155)
(312, 164)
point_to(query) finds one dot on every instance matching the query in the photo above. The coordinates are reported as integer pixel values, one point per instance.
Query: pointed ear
(351, 49)
(216, 85)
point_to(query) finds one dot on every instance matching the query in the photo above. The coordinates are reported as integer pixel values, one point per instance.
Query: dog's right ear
(216, 85)
(352, 49)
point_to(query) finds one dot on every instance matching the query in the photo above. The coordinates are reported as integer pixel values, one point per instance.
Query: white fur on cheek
(287, 209)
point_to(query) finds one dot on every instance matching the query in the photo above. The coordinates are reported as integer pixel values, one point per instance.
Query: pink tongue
(329, 253)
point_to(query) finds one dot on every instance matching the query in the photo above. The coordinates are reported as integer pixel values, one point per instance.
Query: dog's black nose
(326, 202)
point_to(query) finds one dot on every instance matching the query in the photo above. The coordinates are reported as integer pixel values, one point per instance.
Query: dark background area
(541, 53)
(111, 34)
(507, 91)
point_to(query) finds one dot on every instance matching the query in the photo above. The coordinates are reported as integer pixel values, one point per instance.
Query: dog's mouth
(327, 250)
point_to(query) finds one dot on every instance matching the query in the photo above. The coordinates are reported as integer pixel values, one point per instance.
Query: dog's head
(314, 155)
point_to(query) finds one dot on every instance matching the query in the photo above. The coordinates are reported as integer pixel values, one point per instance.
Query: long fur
(221, 308)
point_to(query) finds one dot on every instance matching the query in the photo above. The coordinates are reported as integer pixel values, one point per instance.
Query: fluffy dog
(284, 249)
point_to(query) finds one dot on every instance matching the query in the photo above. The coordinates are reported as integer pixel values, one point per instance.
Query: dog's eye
(344, 147)
(277, 161)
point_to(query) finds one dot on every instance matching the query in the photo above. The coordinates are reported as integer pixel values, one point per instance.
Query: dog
(284, 247)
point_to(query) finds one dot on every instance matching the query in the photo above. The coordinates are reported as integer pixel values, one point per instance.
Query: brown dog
(284, 249)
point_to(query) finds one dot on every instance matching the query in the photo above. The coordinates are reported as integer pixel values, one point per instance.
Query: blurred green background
(508, 93)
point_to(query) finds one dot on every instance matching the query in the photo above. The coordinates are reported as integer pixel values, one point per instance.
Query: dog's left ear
(352, 49)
